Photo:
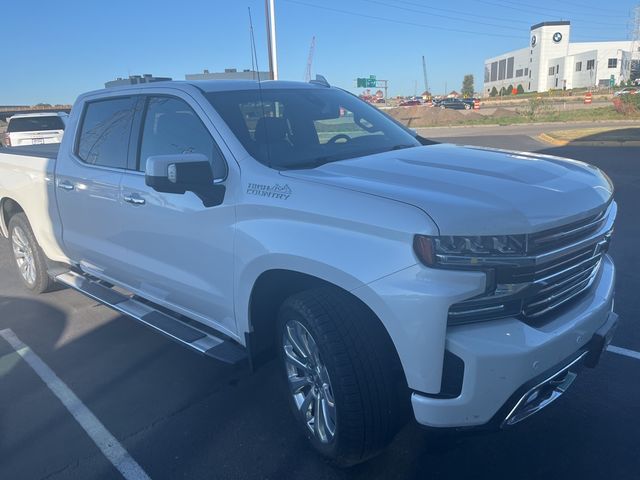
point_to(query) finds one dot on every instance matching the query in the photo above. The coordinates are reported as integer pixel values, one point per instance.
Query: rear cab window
(105, 130)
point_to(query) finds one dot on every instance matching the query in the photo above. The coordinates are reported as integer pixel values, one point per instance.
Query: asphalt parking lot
(179, 415)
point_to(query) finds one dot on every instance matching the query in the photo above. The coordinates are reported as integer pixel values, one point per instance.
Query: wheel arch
(8, 208)
(269, 291)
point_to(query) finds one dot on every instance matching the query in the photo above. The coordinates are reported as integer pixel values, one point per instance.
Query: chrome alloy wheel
(24, 255)
(309, 381)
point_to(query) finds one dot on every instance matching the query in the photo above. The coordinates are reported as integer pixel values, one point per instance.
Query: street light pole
(270, 13)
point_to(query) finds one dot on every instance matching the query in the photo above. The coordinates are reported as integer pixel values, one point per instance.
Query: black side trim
(452, 376)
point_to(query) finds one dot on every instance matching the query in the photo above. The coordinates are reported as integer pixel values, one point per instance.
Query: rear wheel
(29, 258)
(346, 387)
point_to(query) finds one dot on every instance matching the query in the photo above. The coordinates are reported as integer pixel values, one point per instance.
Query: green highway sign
(364, 82)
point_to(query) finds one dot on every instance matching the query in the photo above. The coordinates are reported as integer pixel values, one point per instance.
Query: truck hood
(475, 191)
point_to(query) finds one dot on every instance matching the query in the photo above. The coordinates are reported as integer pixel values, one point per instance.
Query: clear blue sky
(54, 50)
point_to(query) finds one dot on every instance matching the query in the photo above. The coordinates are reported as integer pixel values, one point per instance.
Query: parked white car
(627, 91)
(389, 276)
(34, 129)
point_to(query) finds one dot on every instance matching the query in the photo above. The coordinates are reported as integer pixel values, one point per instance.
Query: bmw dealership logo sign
(534, 40)
(557, 37)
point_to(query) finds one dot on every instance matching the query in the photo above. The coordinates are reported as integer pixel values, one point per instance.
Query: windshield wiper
(316, 162)
(402, 146)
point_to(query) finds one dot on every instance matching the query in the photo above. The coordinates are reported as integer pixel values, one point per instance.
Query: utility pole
(307, 72)
(424, 73)
(270, 13)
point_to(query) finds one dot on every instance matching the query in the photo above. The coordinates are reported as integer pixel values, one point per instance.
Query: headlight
(487, 253)
(468, 251)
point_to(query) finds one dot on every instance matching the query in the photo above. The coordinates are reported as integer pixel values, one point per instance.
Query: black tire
(20, 233)
(467, 106)
(368, 386)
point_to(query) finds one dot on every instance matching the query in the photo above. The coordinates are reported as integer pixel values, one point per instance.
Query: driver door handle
(66, 185)
(134, 199)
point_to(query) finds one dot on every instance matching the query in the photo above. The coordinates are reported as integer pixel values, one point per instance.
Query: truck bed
(27, 177)
(49, 150)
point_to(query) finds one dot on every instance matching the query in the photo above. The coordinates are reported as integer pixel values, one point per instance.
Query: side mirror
(189, 172)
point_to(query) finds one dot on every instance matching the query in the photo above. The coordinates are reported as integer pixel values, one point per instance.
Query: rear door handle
(66, 185)
(134, 199)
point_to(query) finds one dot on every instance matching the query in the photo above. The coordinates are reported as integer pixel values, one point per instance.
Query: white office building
(552, 61)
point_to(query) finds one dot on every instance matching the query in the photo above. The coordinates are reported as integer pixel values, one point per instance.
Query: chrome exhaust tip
(543, 394)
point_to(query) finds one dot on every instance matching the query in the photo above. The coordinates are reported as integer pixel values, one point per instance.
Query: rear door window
(105, 132)
(35, 124)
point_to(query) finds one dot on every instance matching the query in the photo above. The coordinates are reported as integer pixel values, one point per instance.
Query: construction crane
(424, 72)
(307, 72)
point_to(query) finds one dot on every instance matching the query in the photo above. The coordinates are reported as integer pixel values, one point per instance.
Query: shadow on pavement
(183, 415)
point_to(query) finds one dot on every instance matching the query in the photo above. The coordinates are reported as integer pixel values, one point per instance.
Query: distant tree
(43, 105)
(494, 92)
(520, 89)
(509, 90)
(467, 86)
(503, 91)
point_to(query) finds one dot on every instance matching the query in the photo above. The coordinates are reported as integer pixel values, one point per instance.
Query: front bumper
(505, 359)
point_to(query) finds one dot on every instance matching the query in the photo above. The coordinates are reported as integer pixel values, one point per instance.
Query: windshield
(304, 128)
(35, 124)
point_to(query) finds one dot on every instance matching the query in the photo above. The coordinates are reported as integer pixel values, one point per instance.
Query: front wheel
(345, 384)
(467, 106)
(29, 258)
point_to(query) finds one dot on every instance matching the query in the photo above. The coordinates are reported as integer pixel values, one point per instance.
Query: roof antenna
(251, 42)
(264, 115)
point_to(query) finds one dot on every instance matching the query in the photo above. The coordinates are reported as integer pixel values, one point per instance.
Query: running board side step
(224, 350)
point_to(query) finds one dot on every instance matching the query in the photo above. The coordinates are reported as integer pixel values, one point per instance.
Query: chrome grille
(567, 234)
(558, 288)
(561, 264)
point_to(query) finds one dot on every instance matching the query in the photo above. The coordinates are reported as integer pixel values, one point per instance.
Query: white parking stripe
(106, 442)
(624, 351)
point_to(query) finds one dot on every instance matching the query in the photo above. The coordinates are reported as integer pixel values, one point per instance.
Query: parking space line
(624, 351)
(104, 440)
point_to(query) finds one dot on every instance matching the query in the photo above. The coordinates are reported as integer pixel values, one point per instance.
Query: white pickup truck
(392, 277)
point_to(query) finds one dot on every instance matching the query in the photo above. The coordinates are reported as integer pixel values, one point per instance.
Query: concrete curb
(529, 124)
(543, 137)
